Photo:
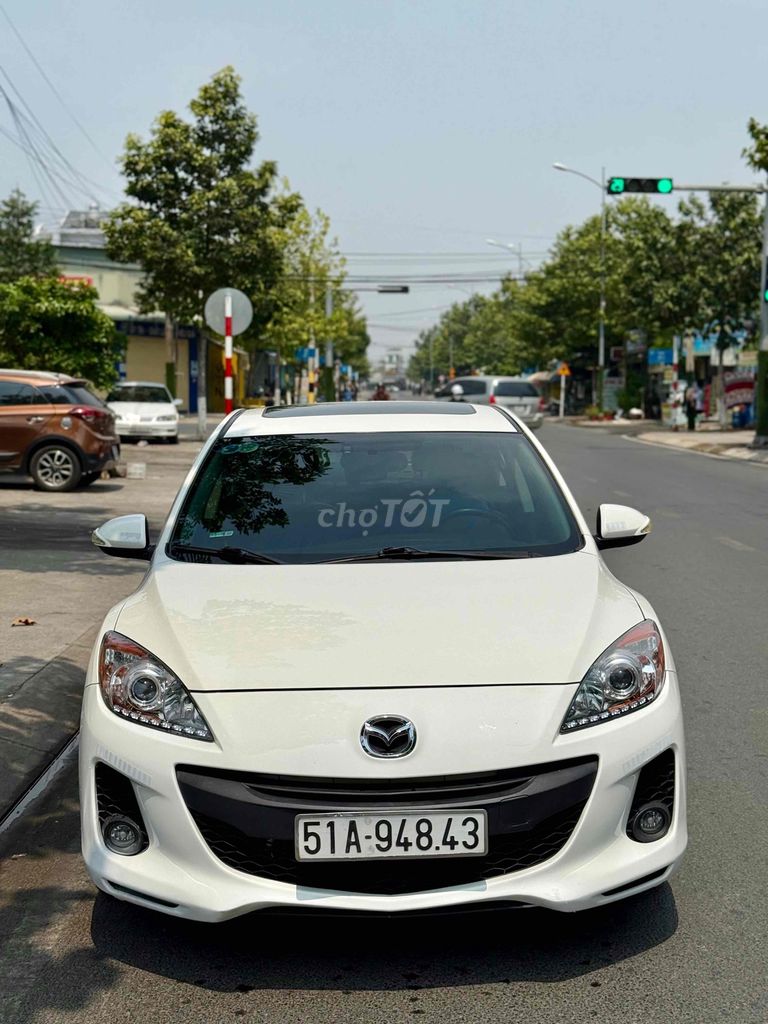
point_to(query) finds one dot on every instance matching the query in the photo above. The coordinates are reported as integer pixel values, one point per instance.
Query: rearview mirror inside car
(619, 525)
(124, 537)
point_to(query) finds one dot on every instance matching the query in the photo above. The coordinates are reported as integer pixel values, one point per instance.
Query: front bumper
(185, 874)
(148, 430)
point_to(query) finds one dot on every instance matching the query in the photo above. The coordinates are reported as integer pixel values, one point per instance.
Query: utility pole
(601, 319)
(202, 374)
(329, 389)
(601, 312)
(760, 439)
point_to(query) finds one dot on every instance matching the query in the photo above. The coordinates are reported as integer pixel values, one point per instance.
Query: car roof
(488, 376)
(43, 376)
(140, 384)
(370, 417)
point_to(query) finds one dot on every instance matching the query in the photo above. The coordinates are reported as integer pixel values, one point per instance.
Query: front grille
(275, 859)
(115, 795)
(655, 784)
(247, 822)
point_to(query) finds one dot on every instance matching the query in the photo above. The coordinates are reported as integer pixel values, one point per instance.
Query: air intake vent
(115, 797)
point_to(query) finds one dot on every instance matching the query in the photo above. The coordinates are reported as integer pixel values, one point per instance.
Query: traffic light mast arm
(721, 188)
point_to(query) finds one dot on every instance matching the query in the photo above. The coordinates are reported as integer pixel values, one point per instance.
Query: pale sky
(421, 128)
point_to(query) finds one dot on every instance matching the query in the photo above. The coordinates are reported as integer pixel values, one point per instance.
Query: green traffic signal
(618, 186)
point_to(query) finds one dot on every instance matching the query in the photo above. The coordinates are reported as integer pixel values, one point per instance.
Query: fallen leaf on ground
(23, 621)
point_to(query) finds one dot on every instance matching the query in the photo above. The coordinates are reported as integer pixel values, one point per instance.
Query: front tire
(55, 468)
(172, 440)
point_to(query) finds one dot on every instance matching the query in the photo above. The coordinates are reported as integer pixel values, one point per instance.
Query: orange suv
(54, 429)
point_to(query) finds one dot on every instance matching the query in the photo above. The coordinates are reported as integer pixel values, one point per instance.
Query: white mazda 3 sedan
(249, 741)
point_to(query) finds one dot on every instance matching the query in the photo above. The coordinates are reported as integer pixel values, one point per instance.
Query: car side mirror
(178, 403)
(124, 537)
(620, 525)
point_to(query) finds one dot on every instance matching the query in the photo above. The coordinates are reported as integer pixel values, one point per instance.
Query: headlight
(139, 687)
(626, 677)
(164, 419)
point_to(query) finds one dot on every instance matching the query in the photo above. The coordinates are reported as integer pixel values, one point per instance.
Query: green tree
(757, 157)
(311, 266)
(47, 324)
(22, 255)
(199, 217)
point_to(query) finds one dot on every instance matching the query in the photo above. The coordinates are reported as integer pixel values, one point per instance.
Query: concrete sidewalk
(729, 444)
(50, 573)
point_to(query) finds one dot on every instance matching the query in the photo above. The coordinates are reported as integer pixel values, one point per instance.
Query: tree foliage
(199, 217)
(21, 255)
(47, 324)
(697, 270)
(311, 264)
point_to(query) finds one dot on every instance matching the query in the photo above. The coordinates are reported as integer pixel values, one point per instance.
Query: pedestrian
(690, 405)
(380, 394)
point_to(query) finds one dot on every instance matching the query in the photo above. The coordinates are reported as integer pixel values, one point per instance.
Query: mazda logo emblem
(388, 736)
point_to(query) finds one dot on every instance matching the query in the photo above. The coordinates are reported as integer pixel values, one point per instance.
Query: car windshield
(515, 389)
(139, 393)
(306, 498)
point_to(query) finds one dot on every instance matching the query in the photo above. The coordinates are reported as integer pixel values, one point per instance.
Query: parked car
(248, 742)
(145, 410)
(54, 429)
(513, 393)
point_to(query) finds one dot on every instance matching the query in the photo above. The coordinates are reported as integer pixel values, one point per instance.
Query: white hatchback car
(248, 743)
(145, 410)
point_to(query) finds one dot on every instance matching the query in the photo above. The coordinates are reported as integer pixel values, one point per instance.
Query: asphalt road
(690, 952)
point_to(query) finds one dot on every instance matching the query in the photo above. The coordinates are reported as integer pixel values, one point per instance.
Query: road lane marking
(735, 544)
(622, 494)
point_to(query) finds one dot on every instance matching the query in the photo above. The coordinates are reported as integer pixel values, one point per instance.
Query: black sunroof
(372, 409)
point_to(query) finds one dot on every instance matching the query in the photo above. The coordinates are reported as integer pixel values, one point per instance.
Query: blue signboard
(659, 356)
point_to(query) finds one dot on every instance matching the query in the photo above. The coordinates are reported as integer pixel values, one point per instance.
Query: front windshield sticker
(222, 533)
(412, 512)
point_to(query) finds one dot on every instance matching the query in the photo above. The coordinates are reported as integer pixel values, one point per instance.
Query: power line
(52, 87)
(37, 144)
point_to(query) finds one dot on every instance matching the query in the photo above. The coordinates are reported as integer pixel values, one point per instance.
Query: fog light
(650, 823)
(121, 835)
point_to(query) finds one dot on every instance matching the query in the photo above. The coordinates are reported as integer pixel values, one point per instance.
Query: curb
(40, 718)
(749, 460)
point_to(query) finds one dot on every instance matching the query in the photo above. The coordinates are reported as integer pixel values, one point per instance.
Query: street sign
(564, 370)
(242, 311)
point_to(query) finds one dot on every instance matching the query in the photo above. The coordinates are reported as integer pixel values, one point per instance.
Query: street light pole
(517, 249)
(601, 315)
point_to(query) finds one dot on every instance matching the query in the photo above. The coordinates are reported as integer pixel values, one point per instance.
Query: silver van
(513, 393)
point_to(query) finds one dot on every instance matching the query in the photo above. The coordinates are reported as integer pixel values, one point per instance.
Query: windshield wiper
(237, 556)
(405, 553)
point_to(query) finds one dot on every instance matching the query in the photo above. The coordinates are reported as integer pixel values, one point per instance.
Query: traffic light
(765, 283)
(618, 186)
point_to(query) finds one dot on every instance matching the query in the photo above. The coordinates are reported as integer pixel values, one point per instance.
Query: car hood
(142, 408)
(253, 627)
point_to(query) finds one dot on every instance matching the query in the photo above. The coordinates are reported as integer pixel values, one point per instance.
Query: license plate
(374, 836)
